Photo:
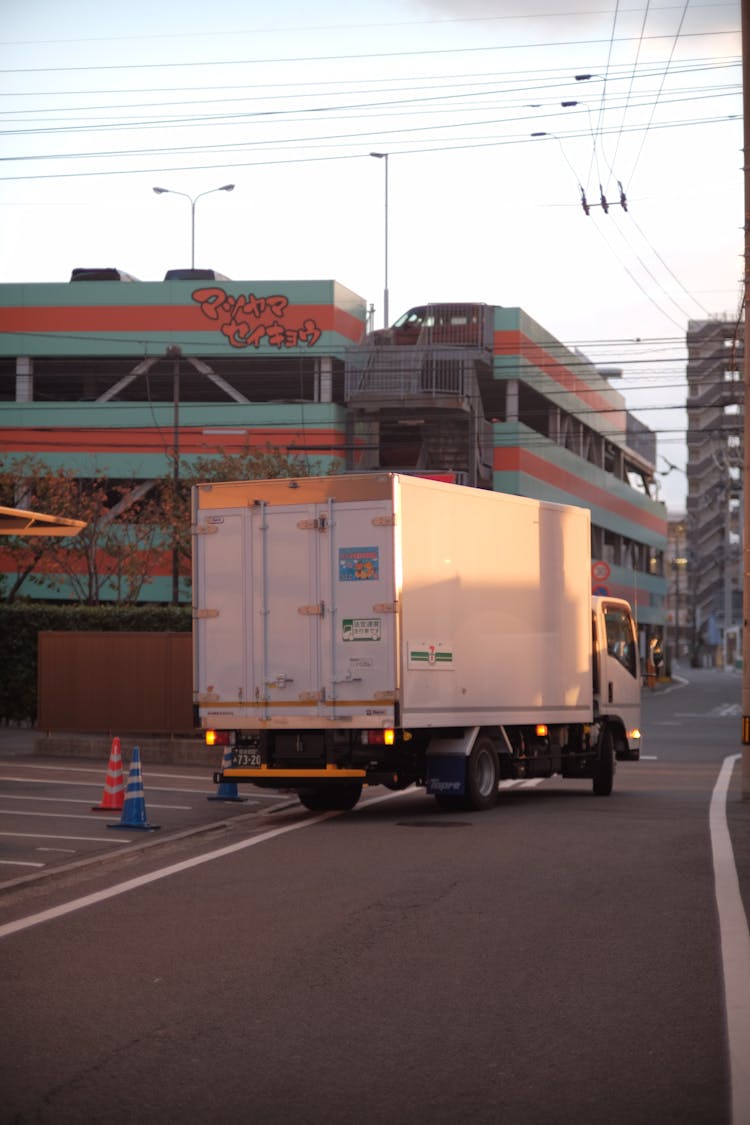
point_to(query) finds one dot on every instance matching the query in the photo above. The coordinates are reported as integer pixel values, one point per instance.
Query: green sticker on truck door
(360, 629)
(430, 654)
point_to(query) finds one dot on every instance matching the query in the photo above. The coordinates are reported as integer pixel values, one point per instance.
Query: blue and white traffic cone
(134, 805)
(227, 790)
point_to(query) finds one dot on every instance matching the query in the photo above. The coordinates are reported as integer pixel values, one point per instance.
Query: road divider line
(75, 904)
(64, 908)
(735, 945)
(47, 836)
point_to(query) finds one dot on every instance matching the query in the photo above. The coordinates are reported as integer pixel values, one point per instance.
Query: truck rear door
(218, 611)
(324, 626)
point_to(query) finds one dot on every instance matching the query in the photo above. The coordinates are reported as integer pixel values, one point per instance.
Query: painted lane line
(19, 863)
(735, 945)
(98, 769)
(74, 801)
(48, 836)
(256, 794)
(175, 869)
(77, 816)
(50, 800)
(521, 783)
(48, 781)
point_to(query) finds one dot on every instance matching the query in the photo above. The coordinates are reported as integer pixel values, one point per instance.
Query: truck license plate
(245, 757)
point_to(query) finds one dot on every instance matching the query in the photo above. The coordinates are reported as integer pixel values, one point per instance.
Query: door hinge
(319, 523)
(385, 607)
(318, 609)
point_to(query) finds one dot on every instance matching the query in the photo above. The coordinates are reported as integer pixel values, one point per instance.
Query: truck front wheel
(338, 797)
(482, 775)
(604, 766)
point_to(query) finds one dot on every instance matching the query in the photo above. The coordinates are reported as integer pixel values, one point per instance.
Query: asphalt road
(554, 960)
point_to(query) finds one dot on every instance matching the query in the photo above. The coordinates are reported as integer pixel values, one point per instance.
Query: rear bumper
(289, 777)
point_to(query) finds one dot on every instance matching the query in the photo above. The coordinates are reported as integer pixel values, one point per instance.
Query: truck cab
(616, 672)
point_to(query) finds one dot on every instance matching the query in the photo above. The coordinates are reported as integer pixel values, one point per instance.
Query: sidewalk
(19, 741)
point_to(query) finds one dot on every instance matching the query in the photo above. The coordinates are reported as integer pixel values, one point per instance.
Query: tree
(117, 548)
(132, 527)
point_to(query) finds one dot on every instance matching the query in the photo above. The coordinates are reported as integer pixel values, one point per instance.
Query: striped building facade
(118, 378)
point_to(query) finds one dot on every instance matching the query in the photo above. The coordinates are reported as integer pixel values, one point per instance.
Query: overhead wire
(359, 56)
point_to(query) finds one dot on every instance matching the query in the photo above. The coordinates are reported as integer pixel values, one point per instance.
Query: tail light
(379, 737)
(217, 738)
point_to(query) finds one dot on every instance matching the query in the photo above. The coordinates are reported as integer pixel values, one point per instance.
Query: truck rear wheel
(604, 767)
(337, 797)
(482, 775)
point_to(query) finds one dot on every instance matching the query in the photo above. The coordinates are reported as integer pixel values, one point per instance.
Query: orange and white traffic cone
(114, 784)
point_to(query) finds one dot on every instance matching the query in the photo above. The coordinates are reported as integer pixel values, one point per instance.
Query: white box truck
(383, 629)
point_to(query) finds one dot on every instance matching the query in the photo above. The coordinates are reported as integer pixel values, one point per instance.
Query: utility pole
(174, 352)
(745, 8)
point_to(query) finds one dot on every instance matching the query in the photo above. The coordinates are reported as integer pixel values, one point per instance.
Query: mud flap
(446, 775)
(446, 763)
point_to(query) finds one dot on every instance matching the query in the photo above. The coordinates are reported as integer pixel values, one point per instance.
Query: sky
(486, 168)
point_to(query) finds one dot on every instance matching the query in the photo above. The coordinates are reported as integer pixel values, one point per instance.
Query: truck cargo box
(382, 599)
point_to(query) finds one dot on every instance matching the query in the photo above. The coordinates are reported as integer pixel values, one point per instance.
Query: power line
(354, 57)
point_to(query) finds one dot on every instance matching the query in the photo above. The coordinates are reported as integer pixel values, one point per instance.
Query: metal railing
(403, 373)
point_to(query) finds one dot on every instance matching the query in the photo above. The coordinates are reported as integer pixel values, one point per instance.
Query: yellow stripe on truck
(303, 775)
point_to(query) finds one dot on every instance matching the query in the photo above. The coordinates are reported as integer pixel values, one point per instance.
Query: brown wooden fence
(136, 683)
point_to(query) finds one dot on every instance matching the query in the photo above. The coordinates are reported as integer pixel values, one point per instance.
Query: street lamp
(384, 156)
(193, 200)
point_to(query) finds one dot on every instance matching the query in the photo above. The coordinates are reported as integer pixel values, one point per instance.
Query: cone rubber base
(137, 827)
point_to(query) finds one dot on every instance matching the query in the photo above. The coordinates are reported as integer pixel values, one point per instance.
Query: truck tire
(337, 797)
(482, 775)
(604, 767)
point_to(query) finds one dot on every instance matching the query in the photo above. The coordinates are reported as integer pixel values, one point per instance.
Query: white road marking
(735, 946)
(723, 711)
(18, 863)
(520, 783)
(257, 794)
(63, 768)
(51, 800)
(64, 908)
(48, 836)
(77, 816)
